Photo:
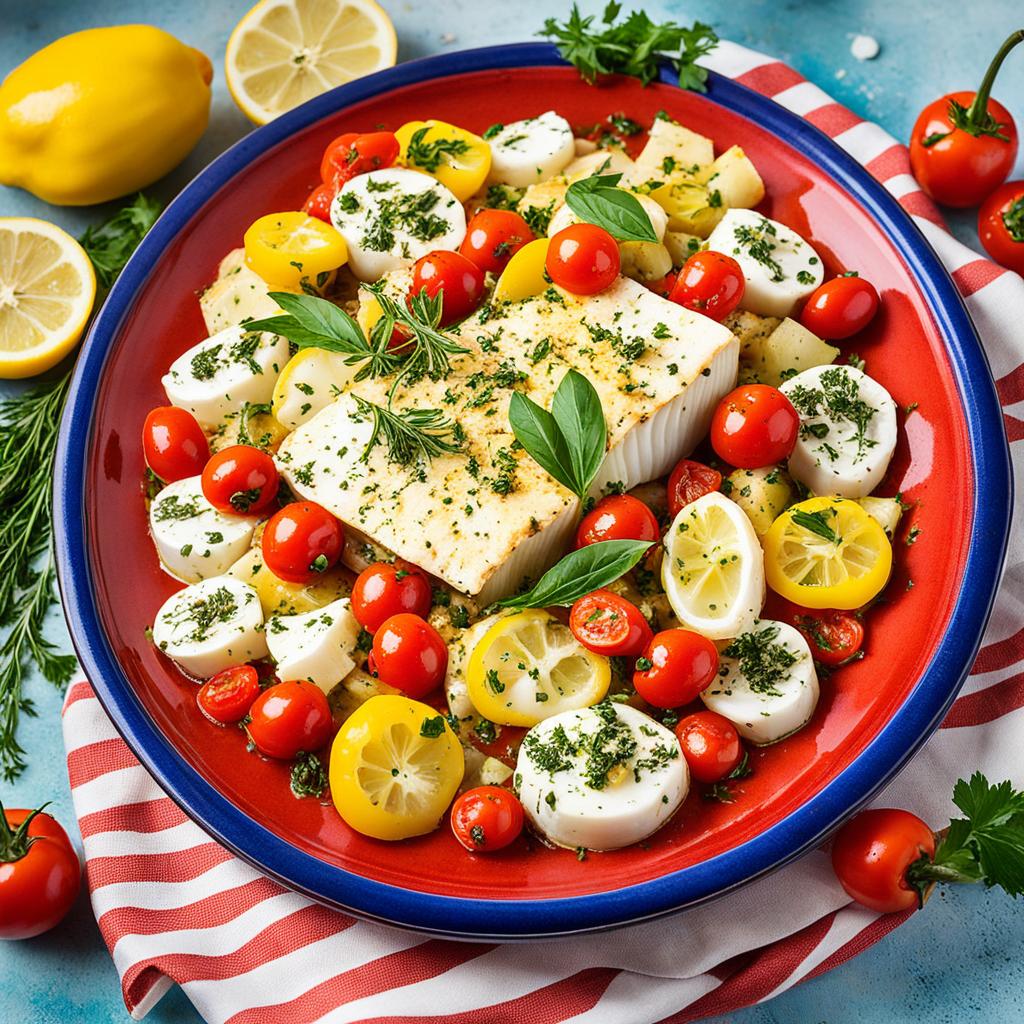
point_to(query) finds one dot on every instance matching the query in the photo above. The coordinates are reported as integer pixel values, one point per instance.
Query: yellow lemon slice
(528, 667)
(523, 276)
(713, 570)
(47, 288)
(284, 52)
(395, 767)
(310, 381)
(827, 553)
(458, 159)
(293, 250)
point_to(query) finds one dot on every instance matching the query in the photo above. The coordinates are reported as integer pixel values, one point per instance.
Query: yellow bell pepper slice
(524, 275)
(290, 250)
(458, 159)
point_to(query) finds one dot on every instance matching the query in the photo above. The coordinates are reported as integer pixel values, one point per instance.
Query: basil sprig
(598, 200)
(568, 442)
(581, 572)
(311, 322)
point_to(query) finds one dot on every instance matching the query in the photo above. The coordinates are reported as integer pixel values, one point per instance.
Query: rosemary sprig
(410, 435)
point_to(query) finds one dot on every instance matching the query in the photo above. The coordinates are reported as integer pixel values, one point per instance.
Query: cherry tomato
(964, 145)
(174, 444)
(302, 541)
(319, 202)
(618, 517)
(227, 697)
(754, 426)
(663, 286)
(493, 237)
(582, 259)
(240, 480)
(833, 636)
(410, 655)
(606, 623)
(676, 665)
(840, 308)
(710, 283)
(487, 818)
(459, 278)
(383, 590)
(871, 854)
(288, 718)
(40, 874)
(1001, 225)
(711, 745)
(689, 481)
(351, 154)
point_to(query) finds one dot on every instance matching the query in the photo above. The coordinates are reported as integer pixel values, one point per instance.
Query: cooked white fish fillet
(487, 518)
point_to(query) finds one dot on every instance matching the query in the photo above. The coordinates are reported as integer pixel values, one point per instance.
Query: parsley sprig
(986, 845)
(28, 443)
(635, 46)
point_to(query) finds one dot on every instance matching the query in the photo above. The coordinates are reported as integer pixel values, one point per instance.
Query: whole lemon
(101, 113)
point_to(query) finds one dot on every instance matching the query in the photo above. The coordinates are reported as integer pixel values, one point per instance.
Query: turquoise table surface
(961, 960)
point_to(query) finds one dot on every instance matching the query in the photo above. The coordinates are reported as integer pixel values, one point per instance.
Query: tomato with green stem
(302, 541)
(493, 237)
(964, 145)
(384, 589)
(240, 480)
(40, 873)
(754, 426)
(410, 655)
(676, 665)
(711, 745)
(487, 818)
(354, 153)
(1001, 225)
(833, 636)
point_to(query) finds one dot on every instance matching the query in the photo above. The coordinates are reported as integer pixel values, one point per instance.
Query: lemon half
(47, 288)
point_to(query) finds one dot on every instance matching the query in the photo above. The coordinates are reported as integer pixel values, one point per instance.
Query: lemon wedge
(284, 52)
(47, 288)
(528, 667)
(310, 381)
(713, 569)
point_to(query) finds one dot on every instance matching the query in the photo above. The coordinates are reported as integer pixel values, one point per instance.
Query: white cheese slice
(847, 430)
(390, 218)
(488, 517)
(316, 646)
(779, 267)
(772, 704)
(210, 626)
(237, 295)
(526, 152)
(570, 804)
(217, 376)
(194, 540)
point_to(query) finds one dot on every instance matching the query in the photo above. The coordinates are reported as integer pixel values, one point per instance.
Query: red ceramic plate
(872, 716)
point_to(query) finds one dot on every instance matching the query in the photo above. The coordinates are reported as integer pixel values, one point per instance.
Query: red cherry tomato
(710, 283)
(352, 154)
(40, 874)
(227, 697)
(302, 541)
(606, 623)
(288, 718)
(493, 237)
(487, 818)
(711, 745)
(410, 655)
(871, 854)
(319, 202)
(583, 259)
(240, 480)
(833, 636)
(675, 667)
(754, 426)
(459, 278)
(689, 481)
(383, 590)
(840, 308)
(174, 444)
(618, 517)
(964, 145)
(1001, 225)
(663, 286)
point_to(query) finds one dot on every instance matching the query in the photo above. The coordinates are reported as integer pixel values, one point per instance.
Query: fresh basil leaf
(577, 411)
(321, 317)
(598, 200)
(580, 572)
(536, 430)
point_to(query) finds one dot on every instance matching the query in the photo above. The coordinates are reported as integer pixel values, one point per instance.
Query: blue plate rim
(507, 920)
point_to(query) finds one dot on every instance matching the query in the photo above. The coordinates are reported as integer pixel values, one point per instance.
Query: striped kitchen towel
(174, 906)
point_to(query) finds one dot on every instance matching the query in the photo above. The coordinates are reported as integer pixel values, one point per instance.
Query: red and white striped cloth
(173, 906)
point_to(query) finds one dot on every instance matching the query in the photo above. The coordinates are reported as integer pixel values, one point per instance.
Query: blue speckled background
(959, 961)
